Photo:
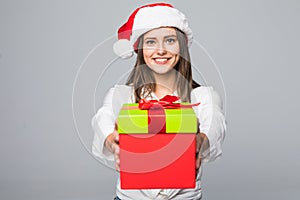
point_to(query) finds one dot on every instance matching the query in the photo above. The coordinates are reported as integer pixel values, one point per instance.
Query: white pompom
(123, 48)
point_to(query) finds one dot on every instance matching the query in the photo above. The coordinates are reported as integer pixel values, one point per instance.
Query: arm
(212, 124)
(103, 124)
(202, 145)
(111, 143)
(106, 138)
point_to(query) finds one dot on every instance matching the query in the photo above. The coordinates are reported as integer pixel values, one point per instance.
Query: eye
(170, 40)
(150, 42)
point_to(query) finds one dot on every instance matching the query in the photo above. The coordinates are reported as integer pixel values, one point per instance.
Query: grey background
(42, 44)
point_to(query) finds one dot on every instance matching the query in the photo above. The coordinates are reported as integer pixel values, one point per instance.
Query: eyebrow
(168, 36)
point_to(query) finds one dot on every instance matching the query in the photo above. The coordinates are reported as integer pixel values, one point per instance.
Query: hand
(112, 144)
(201, 146)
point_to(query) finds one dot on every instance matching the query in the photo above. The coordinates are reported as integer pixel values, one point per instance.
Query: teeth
(161, 59)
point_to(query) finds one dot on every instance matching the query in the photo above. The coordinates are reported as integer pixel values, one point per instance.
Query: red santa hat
(146, 18)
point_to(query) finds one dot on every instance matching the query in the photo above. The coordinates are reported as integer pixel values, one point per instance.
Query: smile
(161, 61)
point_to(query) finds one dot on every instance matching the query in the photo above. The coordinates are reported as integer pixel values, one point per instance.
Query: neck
(165, 83)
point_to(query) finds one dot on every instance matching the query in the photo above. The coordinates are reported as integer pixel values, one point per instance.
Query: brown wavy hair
(142, 78)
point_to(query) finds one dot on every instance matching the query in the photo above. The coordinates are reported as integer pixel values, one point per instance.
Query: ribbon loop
(167, 101)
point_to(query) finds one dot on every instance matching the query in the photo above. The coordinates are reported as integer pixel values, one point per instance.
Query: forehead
(160, 32)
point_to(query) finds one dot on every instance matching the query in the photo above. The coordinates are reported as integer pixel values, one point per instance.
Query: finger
(198, 142)
(116, 136)
(116, 149)
(117, 153)
(198, 126)
(116, 126)
(198, 163)
(117, 156)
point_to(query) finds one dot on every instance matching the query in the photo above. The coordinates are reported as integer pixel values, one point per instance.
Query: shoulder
(121, 89)
(121, 93)
(203, 91)
(127, 88)
(116, 97)
(206, 94)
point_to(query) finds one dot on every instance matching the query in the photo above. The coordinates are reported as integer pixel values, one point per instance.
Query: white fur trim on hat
(123, 48)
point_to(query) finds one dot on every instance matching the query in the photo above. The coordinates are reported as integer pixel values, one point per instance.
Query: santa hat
(146, 18)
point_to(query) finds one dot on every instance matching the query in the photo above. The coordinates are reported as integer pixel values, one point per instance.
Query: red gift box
(157, 147)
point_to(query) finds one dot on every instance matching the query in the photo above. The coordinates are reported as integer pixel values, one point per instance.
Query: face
(161, 49)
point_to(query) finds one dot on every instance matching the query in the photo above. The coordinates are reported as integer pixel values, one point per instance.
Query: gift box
(157, 146)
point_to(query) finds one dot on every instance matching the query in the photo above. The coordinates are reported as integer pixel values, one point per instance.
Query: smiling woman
(160, 35)
(161, 50)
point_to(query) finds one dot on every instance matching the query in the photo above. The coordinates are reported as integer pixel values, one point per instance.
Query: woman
(160, 36)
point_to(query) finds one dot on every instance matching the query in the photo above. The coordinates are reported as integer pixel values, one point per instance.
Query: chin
(162, 69)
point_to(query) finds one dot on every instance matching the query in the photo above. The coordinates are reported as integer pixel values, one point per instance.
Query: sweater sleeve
(104, 120)
(103, 124)
(211, 119)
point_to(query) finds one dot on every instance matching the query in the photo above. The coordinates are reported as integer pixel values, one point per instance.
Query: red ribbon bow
(165, 102)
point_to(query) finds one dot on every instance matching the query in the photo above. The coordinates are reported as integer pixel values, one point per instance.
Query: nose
(161, 50)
